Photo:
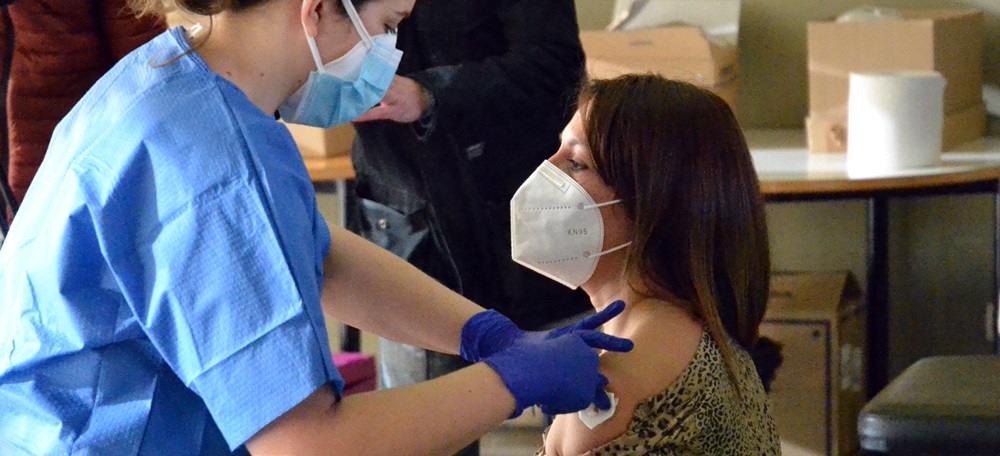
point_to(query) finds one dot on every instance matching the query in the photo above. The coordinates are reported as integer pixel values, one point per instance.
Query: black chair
(944, 405)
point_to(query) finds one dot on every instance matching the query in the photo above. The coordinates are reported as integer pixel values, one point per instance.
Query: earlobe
(310, 16)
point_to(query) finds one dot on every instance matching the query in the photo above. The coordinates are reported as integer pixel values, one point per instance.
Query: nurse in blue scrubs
(160, 288)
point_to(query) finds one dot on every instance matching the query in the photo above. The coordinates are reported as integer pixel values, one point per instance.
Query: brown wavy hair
(676, 156)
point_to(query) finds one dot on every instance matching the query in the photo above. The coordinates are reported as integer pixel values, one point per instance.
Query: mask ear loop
(311, 41)
(613, 249)
(582, 206)
(355, 21)
(315, 53)
(358, 25)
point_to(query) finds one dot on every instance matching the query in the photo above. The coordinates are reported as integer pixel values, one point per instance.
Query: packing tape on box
(894, 121)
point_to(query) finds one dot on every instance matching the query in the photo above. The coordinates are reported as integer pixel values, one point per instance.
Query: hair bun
(206, 7)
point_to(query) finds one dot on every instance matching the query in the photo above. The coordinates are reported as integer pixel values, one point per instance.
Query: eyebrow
(402, 14)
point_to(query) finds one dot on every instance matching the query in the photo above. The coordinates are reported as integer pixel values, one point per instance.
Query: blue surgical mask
(342, 90)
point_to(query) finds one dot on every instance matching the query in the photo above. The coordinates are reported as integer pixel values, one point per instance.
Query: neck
(608, 284)
(257, 52)
(639, 310)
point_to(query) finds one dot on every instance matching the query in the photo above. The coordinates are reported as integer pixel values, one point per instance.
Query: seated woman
(653, 199)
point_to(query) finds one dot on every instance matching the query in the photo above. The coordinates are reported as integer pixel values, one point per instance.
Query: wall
(941, 247)
(773, 49)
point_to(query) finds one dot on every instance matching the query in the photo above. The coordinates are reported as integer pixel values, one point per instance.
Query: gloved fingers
(594, 321)
(601, 399)
(599, 340)
(600, 318)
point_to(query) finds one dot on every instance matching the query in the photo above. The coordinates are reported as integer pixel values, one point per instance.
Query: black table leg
(878, 294)
(350, 339)
(995, 330)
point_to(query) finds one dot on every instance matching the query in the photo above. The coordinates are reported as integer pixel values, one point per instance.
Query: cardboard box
(827, 132)
(676, 52)
(319, 143)
(948, 41)
(819, 389)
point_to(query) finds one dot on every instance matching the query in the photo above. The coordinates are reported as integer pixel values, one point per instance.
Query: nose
(559, 158)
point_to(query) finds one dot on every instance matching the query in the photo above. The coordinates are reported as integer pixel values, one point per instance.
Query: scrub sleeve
(226, 315)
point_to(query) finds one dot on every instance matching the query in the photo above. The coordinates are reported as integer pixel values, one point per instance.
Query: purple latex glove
(490, 332)
(557, 372)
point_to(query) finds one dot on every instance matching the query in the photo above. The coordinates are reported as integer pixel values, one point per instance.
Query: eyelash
(576, 166)
(390, 29)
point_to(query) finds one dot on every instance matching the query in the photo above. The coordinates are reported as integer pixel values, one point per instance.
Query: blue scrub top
(160, 284)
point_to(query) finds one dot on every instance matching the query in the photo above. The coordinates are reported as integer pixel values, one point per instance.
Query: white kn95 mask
(556, 229)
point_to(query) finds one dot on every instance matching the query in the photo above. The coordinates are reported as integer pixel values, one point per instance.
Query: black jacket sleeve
(510, 92)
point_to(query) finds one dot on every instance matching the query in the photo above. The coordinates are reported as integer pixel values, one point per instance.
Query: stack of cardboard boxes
(689, 40)
(676, 52)
(949, 42)
(819, 389)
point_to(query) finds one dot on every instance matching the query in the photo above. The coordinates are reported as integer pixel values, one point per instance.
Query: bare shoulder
(664, 347)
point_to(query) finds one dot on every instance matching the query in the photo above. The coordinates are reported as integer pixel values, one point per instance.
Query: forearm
(440, 416)
(371, 289)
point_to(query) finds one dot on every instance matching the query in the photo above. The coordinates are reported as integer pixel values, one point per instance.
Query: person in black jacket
(483, 90)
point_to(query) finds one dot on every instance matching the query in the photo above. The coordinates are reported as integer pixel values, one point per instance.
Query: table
(336, 170)
(789, 173)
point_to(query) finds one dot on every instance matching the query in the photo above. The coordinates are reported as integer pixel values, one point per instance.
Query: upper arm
(635, 377)
(571, 436)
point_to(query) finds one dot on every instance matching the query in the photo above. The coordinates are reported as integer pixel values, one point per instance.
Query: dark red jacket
(61, 47)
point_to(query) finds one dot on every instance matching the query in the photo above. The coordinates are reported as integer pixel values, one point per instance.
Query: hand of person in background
(404, 102)
(490, 332)
(559, 373)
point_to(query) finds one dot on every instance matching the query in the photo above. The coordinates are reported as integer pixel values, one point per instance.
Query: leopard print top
(701, 414)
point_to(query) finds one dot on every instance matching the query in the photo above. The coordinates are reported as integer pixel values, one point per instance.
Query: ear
(310, 16)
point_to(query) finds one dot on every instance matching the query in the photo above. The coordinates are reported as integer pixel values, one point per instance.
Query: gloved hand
(490, 332)
(559, 373)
